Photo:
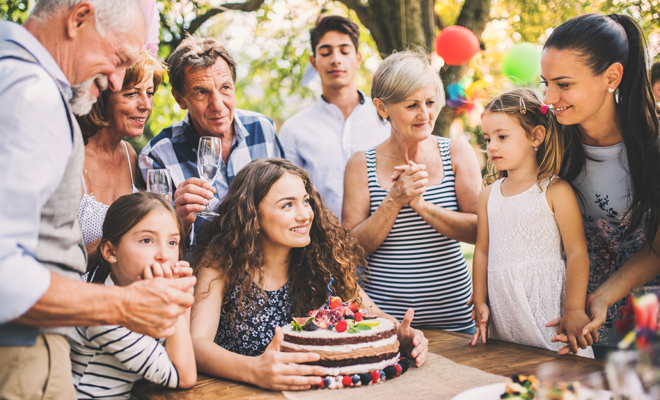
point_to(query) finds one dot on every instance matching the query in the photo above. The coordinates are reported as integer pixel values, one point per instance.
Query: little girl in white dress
(522, 281)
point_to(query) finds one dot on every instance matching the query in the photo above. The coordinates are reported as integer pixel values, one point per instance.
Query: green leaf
(362, 327)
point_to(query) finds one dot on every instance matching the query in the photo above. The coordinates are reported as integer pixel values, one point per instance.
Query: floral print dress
(603, 189)
(253, 328)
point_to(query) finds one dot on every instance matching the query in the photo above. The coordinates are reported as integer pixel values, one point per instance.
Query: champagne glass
(160, 181)
(209, 158)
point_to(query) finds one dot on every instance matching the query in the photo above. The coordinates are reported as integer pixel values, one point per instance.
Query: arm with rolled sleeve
(35, 145)
(288, 140)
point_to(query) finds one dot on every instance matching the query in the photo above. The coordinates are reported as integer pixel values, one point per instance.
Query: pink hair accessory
(545, 108)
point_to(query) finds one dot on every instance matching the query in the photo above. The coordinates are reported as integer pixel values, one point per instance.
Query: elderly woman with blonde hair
(411, 199)
(110, 169)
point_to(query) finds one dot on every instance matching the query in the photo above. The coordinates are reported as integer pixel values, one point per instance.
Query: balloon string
(331, 292)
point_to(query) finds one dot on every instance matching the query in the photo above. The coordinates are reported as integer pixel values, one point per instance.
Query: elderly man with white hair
(57, 63)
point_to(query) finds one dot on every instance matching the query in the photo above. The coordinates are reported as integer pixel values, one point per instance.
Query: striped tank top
(417, 266)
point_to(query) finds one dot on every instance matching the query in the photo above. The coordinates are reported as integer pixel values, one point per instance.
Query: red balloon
(456, 45)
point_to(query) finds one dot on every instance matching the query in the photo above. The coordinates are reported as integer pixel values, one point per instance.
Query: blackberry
(365, 379)
(404, 363)
(390, 372)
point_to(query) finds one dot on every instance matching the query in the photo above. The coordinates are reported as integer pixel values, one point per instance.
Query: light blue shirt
(35, 145)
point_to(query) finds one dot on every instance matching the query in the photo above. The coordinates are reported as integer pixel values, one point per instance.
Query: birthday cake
(356, 347)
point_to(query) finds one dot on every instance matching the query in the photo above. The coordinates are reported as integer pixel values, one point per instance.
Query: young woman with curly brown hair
(270, 256)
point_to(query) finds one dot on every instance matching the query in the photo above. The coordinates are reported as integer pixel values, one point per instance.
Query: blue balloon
(455, 92)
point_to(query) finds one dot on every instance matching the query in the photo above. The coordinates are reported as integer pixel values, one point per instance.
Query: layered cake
(356, 348)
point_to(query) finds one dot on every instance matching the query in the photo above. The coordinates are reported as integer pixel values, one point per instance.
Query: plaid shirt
(175, 148)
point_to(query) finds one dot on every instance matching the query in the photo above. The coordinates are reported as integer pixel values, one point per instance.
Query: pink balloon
(456, 45)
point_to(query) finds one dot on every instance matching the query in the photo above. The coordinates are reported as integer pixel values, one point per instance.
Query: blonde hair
(402, 74)
(98, 117)
(551, 150)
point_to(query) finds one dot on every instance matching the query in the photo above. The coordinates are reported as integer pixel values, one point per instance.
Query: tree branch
(250, 5)
(361, 10)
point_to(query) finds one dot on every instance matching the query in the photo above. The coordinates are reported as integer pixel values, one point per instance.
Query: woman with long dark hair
(269, 256)
(594, 68)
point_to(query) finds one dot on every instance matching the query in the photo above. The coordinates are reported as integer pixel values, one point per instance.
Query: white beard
(82, 99)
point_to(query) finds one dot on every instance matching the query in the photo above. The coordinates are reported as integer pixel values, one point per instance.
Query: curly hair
(231, 244)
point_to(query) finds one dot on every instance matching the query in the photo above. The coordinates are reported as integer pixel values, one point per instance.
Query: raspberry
(347, 381)
(341, 326)
(390, 372)
(358, 316)
(375, 377)
(398, 369)
(365, 379)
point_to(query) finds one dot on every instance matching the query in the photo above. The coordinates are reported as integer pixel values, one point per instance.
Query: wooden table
(495, 357)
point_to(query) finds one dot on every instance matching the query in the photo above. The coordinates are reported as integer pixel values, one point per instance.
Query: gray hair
(198, 53)
(402, 74)
(116, 16)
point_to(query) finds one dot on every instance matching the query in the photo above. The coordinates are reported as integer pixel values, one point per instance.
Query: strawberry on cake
(356, 347)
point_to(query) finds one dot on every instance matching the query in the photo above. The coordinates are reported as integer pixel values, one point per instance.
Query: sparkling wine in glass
(209, 158)
(160, 181)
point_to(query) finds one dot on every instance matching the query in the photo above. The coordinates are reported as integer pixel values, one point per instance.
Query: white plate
(487, 392)
(495, 390)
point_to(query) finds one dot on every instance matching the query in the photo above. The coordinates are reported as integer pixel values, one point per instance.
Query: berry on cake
(356, 347)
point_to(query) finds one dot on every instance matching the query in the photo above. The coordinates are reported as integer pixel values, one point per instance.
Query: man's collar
(17, 34)
(360, 93)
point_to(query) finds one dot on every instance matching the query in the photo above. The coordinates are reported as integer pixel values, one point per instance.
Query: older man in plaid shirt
(203, 78)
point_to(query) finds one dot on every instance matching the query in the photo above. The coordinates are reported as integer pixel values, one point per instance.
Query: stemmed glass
(209, 158)
(160, 181)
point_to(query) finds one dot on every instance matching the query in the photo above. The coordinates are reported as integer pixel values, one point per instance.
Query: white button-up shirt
(321, 141)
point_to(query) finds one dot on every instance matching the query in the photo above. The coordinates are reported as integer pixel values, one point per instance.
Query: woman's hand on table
(276, 370)
(412, 340)
(481, 314)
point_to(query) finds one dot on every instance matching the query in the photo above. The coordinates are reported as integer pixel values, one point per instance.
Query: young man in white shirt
(322, 137)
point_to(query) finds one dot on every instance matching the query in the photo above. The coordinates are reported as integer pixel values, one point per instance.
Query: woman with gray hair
(411, 199)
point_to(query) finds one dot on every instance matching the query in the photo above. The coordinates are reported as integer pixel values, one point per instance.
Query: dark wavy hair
(231, 244)
(123, 214)
(602, 41)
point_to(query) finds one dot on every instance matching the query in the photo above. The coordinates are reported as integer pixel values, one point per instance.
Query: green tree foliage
(14, 10)
(270, 41)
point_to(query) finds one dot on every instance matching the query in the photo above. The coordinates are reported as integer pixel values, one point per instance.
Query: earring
(536, 149)
(112, 260)
(610, 90)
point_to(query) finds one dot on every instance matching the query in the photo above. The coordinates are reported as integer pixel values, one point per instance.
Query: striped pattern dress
(416, 266)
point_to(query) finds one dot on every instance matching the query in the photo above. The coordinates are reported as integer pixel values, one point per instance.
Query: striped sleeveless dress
(416, 266)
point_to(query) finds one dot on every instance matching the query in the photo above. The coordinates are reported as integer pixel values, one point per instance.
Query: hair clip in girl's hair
(546, 107)
(523, 108)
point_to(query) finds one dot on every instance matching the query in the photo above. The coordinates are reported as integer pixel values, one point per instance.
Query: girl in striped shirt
(141, 237)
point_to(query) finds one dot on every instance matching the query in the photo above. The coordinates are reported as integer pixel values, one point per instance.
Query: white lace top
(526, 270)
(91, 213)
